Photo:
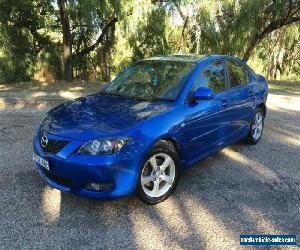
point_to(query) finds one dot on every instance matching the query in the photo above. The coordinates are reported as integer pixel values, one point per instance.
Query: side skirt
(231, 140)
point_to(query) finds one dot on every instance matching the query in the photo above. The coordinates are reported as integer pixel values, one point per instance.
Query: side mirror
(104, 85)
(203, 94)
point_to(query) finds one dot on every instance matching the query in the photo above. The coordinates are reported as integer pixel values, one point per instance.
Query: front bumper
(71, 172)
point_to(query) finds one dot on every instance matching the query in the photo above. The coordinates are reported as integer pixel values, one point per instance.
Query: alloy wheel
(257, 126)
(158, 175)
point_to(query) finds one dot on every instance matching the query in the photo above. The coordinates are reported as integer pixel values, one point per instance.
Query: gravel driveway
(240, 190)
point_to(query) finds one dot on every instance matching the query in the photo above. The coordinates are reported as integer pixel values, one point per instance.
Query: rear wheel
(256, 127)
(159, 175)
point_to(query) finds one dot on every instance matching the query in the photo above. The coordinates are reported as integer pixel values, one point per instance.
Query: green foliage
(149, 39)
(31, 39)
(88, 20)
(20, 40)
(278, 56)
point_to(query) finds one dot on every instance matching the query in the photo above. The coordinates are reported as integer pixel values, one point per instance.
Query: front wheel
(159, 175)
(256, 127)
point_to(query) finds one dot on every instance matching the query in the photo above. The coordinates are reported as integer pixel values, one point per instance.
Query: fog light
(102, 186)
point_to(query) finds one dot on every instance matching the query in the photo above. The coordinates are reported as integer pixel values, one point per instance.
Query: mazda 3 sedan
(156, 118)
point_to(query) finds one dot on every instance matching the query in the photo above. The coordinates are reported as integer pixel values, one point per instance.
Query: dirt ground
(241, 190)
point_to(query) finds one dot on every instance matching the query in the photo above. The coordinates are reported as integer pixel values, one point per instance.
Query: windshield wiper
(123, 96)
(159, 99)
(149, 99)
(112, 94)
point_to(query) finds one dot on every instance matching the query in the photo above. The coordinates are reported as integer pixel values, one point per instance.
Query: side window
(212, 75)
(237, 74)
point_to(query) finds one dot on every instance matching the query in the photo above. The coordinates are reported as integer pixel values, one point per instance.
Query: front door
(207, 124)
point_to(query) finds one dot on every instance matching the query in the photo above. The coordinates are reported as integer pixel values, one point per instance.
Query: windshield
(151, 80)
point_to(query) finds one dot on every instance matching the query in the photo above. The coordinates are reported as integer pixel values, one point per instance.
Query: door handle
(224, 102)
(251, 92)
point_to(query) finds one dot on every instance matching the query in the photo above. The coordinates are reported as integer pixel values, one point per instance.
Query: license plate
(42, 162)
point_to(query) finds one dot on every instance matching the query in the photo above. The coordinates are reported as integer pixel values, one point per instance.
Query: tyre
(256, 127)
(159, 174)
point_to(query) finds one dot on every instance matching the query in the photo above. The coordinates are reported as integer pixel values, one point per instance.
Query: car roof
(189, 58)
(177, 57)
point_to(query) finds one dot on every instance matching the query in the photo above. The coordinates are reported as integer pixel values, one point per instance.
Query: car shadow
(241, 190)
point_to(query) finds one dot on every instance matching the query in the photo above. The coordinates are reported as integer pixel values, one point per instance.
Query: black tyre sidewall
(159, 148)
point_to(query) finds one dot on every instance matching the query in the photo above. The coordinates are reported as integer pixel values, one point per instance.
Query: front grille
(99, 187)
(53, 146)
(57, 179)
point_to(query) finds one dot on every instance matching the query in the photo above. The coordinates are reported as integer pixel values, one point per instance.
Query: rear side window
(237, 74)
(212, 76)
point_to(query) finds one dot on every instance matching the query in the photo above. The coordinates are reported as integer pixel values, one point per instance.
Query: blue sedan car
(156, 118)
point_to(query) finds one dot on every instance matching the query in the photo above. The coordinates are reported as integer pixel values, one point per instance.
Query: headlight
(103, 146)
(45, 120)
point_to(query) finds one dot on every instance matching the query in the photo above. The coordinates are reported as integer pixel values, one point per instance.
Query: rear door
(240, 96)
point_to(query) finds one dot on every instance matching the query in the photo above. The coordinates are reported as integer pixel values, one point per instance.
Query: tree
(88, 18)
(67, 40)
(149, 38)
(279, 50)
(274, 15)
(233, 27)
(92, 39)
(20, 40)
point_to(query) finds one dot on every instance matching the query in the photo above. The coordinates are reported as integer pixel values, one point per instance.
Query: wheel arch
(263, 107)
(172, 142)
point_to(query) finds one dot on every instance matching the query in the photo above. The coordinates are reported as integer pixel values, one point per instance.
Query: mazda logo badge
(44, 141)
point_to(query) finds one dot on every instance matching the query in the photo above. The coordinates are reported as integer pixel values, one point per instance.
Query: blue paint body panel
(199, 128)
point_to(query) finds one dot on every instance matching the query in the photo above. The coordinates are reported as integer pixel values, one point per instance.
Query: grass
(53, 86)
(290, 87)
(42, 94)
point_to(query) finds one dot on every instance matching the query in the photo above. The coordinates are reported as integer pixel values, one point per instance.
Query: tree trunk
(256, 40)
(110, 24)
(67, 59)
(67, 41)
(267, 30)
